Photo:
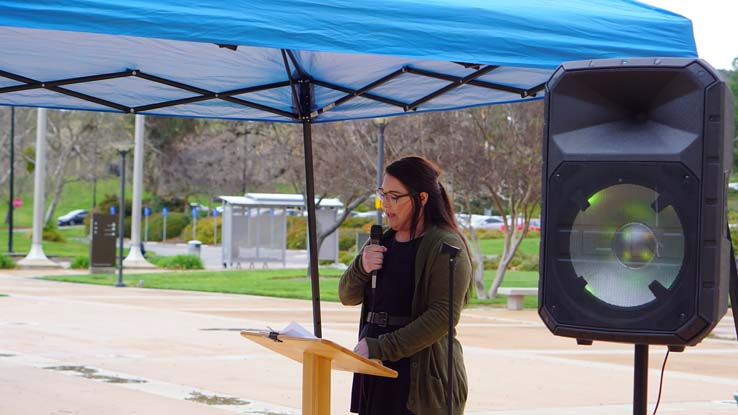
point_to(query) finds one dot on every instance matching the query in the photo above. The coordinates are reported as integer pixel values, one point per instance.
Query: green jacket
(424, 339)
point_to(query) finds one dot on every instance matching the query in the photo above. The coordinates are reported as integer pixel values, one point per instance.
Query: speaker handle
(733, 284)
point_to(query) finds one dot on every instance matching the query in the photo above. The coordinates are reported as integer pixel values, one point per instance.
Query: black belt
(383, 319)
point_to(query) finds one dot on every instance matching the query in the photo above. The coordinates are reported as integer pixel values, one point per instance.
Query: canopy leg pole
(312, 225)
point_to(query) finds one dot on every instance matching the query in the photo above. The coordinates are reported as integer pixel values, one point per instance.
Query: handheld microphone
(375, 235)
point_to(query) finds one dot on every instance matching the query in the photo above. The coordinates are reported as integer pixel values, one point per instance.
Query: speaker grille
(625, 247)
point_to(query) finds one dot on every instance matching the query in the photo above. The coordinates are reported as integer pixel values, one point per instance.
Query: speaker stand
(640, 380)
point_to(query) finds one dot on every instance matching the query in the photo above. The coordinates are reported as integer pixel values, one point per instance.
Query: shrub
(112, 200)
(354, 222)
(496, 234)
(176, 222)
(534, 234)
(174, 204)
(346, 239)
(732, 217)
(491, 262)
(487, 234)
(80, 262)
(734, 238)
(345, 257)
(296, 232)
(519, 262)
(6, 262)
(51, 233)
(204, 232)
(528, 263)
(177, 262)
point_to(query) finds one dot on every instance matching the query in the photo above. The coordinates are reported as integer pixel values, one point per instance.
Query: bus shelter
(255, 228)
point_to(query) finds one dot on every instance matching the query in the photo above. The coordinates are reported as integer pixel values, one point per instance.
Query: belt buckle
(381, 319)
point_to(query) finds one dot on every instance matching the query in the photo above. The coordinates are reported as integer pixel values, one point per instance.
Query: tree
(732, 79)
(498, 150)
(345, 155)
(24, 127)
(344, 164)
(70, 138)
(216, 157)
(21, 132)
(462, 156)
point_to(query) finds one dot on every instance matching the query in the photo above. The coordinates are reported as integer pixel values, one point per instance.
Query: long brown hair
(418, 175)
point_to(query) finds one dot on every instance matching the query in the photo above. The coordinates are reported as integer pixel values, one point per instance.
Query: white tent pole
(36, 256)
(135, 258)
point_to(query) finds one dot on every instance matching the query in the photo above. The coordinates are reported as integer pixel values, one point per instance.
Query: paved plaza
(83, 349)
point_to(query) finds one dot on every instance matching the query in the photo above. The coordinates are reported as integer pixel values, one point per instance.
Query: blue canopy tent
(303, 61)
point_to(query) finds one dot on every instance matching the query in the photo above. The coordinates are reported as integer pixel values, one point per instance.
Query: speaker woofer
(622, 243)
(620, 239)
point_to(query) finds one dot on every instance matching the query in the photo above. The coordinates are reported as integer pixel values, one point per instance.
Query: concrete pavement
(212, 258)
(82, 349)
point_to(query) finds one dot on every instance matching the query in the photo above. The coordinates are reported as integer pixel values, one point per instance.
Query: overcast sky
(715, 27)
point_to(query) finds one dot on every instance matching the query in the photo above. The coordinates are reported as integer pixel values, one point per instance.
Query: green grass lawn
(284, 283)
(529, 246)
(70, 248)
(76, 195)
(76, 231)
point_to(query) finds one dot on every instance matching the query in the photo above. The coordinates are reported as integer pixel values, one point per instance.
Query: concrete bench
(515, 296)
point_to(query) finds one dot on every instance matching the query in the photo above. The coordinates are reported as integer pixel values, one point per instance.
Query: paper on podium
(296, 341)
(294, 329)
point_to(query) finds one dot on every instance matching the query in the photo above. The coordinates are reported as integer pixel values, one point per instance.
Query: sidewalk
(83, 349)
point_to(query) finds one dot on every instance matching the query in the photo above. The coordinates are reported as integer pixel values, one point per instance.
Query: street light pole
(381, 123)
(94, 177)
(121, 216)
(11, 206)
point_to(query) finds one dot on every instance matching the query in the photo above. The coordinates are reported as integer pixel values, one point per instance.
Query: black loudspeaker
(637, 155)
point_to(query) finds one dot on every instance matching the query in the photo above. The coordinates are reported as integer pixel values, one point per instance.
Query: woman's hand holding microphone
(372, 257)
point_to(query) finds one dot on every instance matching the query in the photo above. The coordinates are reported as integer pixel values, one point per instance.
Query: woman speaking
(404, 318)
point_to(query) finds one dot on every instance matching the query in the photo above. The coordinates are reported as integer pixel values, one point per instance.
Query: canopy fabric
(215, 59)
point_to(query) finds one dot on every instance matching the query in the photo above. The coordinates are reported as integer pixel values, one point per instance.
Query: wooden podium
(318, 357)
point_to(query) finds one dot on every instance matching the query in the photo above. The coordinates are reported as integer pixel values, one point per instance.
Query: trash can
(193, 247)
(361, 238)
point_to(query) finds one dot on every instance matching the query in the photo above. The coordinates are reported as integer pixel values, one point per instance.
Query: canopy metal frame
(302, 86)
(202, 94)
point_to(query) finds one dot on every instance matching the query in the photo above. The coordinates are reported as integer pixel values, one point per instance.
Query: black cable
(661, 382)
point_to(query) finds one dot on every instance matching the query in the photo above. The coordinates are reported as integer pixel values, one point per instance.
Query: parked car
(200, 208)
(368, 214)
(534, 225)
(492, 222)
(479, 221)
(75, 217)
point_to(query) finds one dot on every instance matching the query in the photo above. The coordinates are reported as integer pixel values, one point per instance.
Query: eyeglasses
(390, 196)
